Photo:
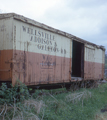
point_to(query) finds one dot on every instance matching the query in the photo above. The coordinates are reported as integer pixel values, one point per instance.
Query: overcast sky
(86, 19)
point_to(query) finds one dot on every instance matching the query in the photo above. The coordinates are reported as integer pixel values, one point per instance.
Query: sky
(86, 19)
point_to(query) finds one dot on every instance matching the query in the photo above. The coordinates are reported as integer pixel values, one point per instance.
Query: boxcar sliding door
(89, 66)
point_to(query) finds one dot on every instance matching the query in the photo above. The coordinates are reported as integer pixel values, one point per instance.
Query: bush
(16, 93)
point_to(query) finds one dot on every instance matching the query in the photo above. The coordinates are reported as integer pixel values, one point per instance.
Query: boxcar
(37, 54)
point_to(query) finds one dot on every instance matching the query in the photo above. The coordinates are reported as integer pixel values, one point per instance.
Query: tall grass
(84, 104)
(79, 105)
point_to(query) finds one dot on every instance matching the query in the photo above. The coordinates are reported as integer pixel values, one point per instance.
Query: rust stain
(37, 68)
(93, 71)
(6, 65)
(34, 68)
(40, 69)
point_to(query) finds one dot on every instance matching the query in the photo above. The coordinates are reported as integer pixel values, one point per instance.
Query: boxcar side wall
(42, 57)
(38, 54)
(6, 46)
(94, 63)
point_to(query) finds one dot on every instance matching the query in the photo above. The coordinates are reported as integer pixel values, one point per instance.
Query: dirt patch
(102, 115)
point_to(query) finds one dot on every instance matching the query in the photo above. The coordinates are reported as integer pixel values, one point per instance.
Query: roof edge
(46, 27)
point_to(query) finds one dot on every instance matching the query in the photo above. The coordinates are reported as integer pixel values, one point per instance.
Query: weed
(18, 93)
(17, 104)
(80, 96)
(29, 110)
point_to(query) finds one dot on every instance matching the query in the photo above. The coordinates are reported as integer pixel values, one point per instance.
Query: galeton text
(44, 40)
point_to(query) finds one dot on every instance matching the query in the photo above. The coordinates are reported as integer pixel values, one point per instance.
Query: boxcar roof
(46, 27)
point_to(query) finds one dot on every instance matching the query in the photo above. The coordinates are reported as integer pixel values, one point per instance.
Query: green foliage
(23, 92)
(11, 94)
(47, 105)
(83, 108)
(36, 94)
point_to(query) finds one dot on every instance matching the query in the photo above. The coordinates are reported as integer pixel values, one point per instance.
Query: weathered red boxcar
(38, 54)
